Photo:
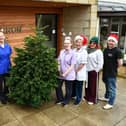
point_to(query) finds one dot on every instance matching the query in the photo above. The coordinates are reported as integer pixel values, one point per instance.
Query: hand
(63, 75)
(60, 73)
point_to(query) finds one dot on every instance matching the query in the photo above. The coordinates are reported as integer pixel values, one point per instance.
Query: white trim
(115, 40)
(2, 45)
(97, 28)
(78, 37)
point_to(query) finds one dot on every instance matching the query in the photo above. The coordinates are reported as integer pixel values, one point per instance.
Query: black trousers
(68, 91)
(74, 89)
(3, 87)
(59, 91)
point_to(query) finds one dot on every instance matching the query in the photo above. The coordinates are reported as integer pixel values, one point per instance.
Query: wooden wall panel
(24, 17)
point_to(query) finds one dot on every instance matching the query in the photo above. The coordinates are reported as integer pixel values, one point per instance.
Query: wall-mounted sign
(11, 29)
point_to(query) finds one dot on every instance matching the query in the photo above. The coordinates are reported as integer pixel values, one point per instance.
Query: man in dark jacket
(112, 60)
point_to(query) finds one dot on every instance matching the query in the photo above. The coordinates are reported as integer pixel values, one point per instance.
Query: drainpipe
(125, 44)
(97, 28)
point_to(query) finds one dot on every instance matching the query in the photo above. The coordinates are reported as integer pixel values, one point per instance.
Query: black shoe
(76, 103)
(64, 104)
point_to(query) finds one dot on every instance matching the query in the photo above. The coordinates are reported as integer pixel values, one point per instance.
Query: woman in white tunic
(80, 68)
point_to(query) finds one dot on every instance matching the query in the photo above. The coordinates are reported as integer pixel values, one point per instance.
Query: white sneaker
(107, 106)
(104, 99)
(90, 103)
(83, 99)
(59, 103)
(74, 98)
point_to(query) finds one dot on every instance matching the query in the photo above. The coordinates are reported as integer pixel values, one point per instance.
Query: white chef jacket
(81, 58)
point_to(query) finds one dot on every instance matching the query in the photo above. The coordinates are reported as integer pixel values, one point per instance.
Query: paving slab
(59, 114)
(13, 123)
(122, 122)
(19, 111)
(50, 114)
(38, 119)
(5, 116)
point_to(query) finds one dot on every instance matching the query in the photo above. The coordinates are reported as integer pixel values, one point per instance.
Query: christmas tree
(34, 74)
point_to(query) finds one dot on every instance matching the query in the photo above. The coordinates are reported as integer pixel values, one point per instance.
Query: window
(123, 32)
(114, 28)
(115, 19)
(124, 19)
(48, 23)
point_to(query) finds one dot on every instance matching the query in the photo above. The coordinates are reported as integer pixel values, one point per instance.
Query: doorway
(49, 23)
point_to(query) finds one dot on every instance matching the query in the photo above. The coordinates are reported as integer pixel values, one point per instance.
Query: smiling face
(2, 37)
(111, 43)
(67, 44)
(79, 43)
(92, 45)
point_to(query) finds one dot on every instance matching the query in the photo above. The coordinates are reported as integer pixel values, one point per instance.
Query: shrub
(34, 74)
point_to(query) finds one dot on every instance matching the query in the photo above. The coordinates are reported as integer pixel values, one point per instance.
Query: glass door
(49, 21)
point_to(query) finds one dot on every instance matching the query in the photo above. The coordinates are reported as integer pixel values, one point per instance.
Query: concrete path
(55, 115)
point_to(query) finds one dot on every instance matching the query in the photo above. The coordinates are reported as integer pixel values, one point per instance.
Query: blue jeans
(78, 90)
(110, 85)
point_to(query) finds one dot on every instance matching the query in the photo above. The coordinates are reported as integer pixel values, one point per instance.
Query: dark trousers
(68, 91)
(92, 89)
(78, 90)
(73, 89)
(59, 91)
(3, 87)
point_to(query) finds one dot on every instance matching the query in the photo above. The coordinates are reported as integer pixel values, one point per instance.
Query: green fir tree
(34, 75)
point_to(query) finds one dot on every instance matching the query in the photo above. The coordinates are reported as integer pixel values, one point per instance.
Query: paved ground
(55, 115)
(122, 72)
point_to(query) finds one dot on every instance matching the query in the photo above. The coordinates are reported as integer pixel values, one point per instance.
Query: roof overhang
(111, 8)
(38, 3)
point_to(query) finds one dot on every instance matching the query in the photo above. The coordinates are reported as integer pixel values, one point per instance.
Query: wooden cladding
(19, 22)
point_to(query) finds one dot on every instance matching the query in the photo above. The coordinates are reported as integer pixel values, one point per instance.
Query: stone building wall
(80, 20)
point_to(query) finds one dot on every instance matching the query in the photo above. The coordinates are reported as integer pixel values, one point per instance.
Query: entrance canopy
(111, 6)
